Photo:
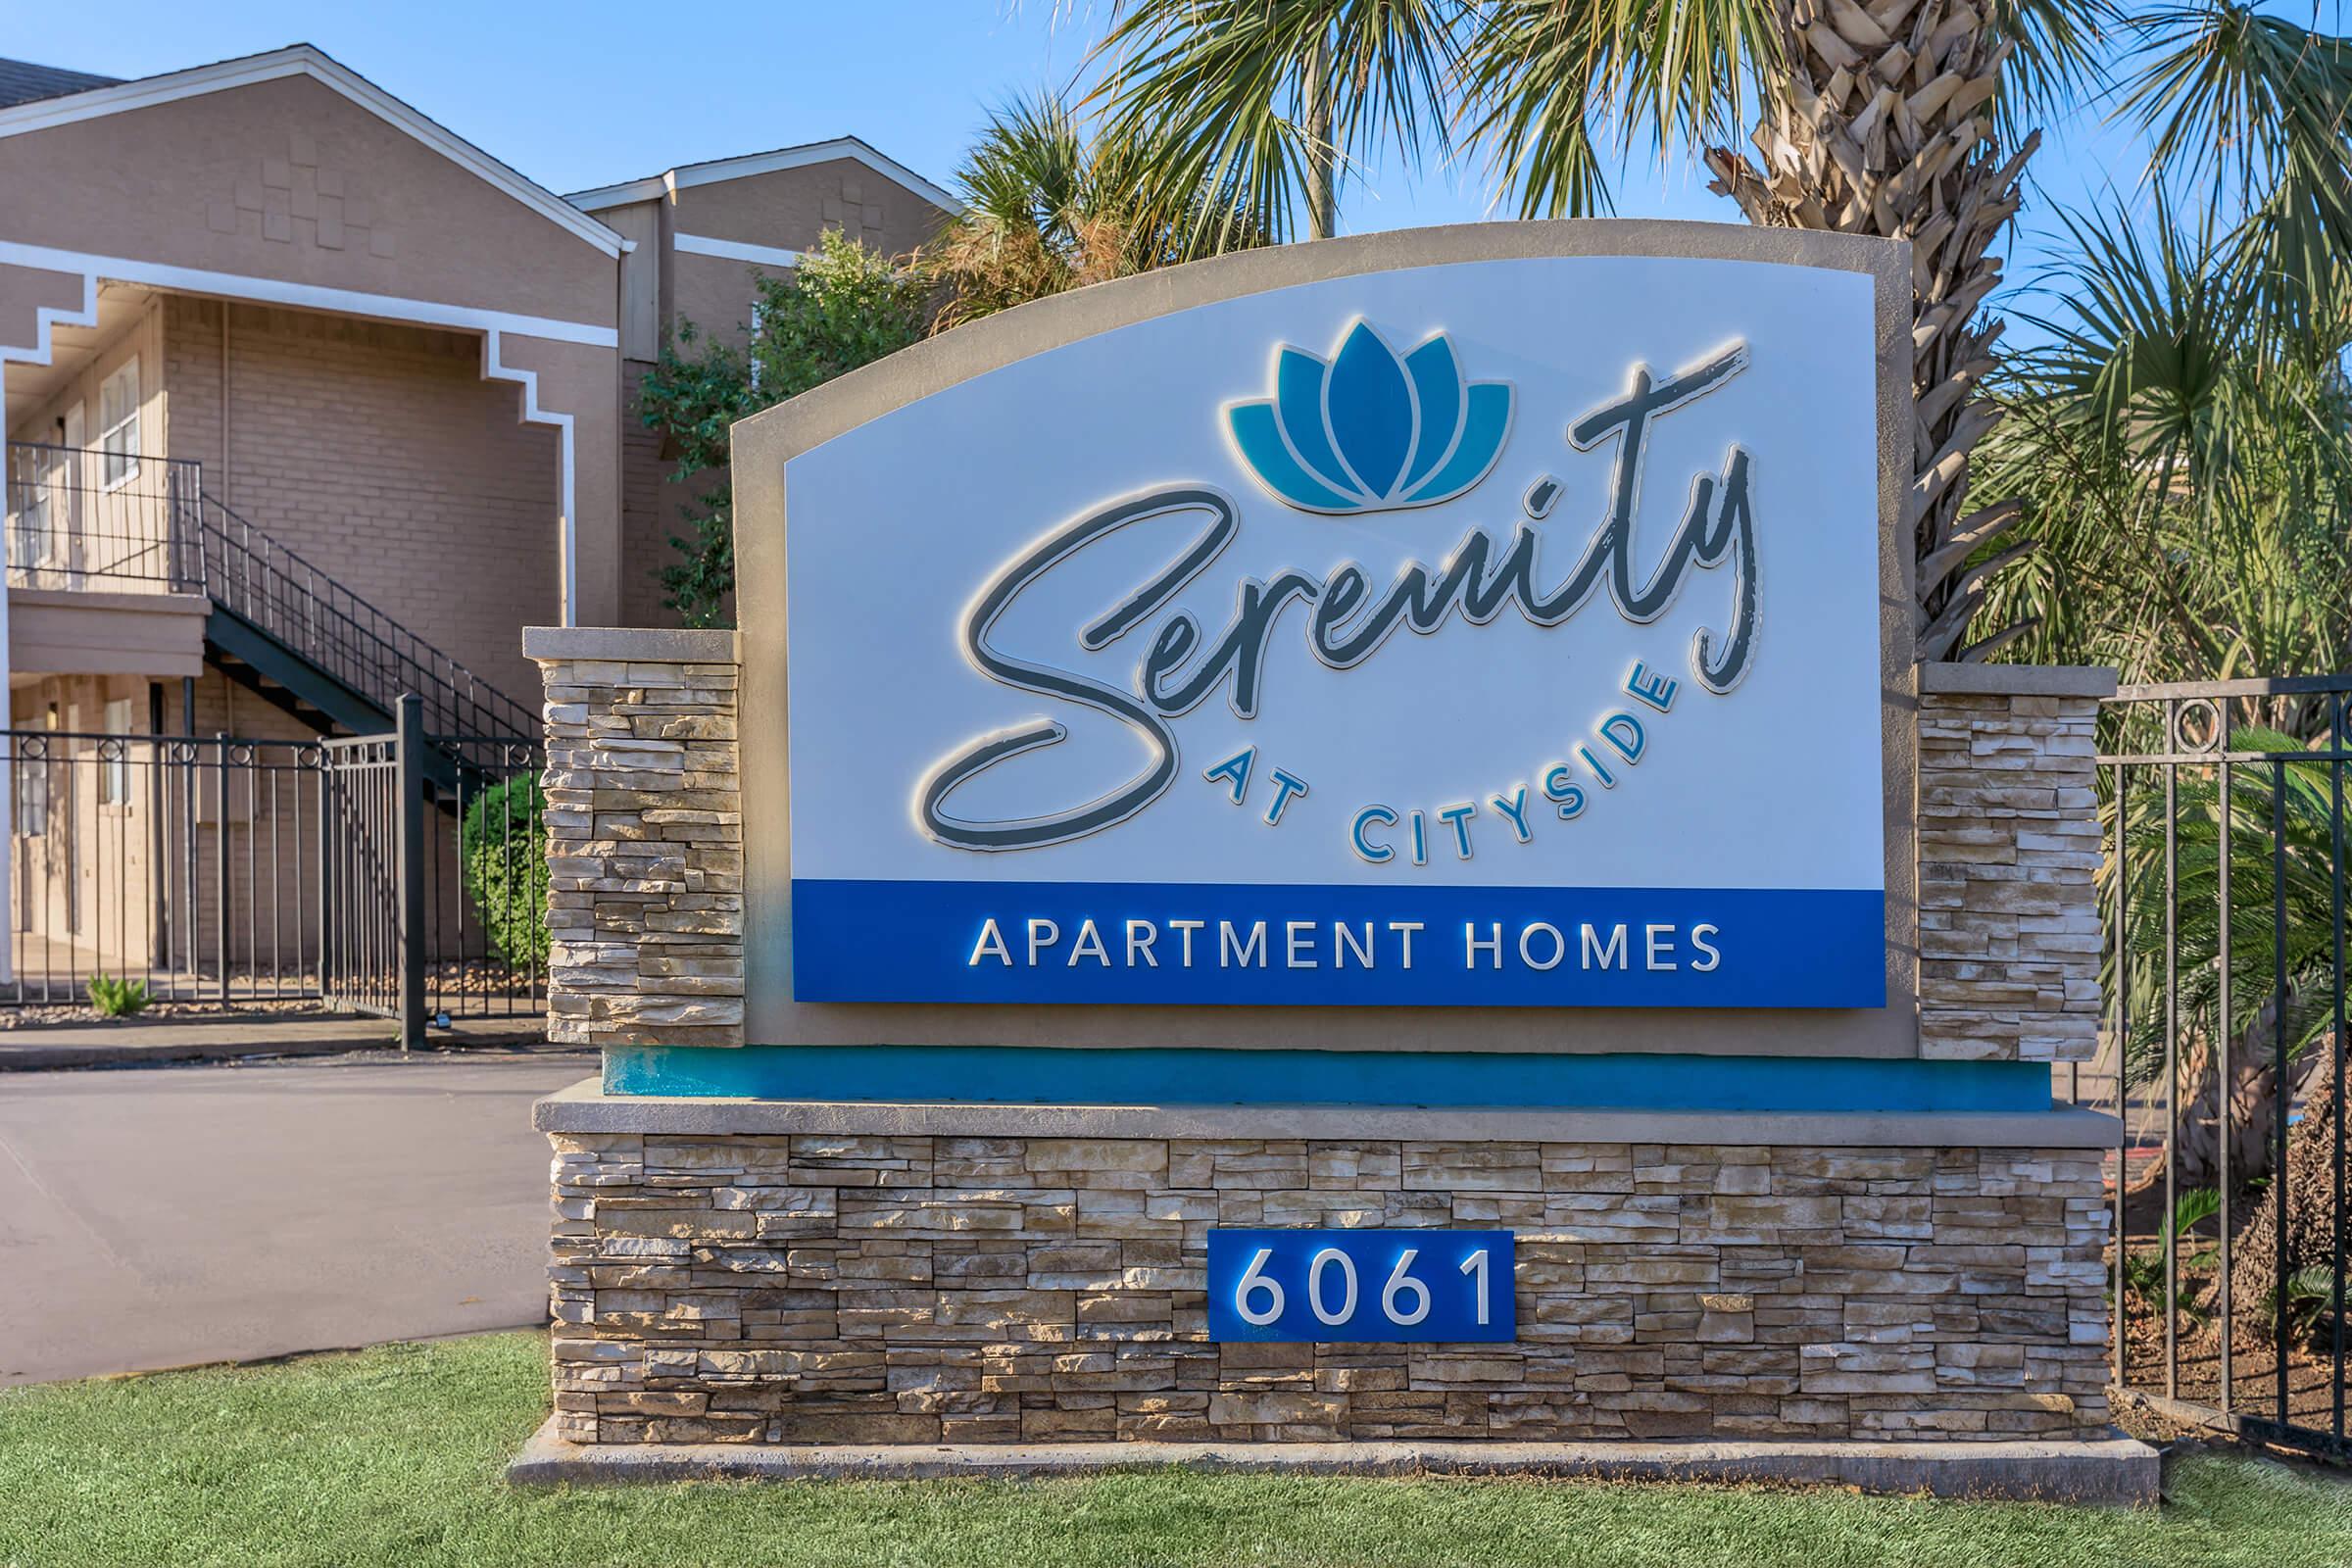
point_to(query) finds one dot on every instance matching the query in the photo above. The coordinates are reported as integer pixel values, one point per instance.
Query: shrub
(502, 849)
(118, 999)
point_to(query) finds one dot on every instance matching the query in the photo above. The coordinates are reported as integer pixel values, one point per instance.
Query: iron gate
(402, 875)
(434, 883)
(2223, 1053)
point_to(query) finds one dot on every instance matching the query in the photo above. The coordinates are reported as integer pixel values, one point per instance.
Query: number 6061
(1361, 1285)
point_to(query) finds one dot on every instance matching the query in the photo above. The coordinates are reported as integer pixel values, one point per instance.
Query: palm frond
(1219, 89)
(1547, 85)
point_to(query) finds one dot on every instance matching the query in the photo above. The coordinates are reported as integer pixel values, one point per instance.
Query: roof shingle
(22, 81)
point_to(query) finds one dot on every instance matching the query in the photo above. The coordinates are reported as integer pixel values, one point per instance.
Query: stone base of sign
(766, 1272)
(2109, 1470)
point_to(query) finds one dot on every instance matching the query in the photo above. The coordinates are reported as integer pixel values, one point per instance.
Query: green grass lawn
(393, 1455)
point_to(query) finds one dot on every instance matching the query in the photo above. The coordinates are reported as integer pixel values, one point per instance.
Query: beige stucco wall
(104, 631)
(791, 207)
(640, 224)
(716, 294)
(140, 337)
(787, 210)
(25, 292)
(379, 454)
(288, 179)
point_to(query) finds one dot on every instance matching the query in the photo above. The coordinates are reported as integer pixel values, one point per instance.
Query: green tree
(2182, 435)
(843, 307)
(2183, 441)
(1049, 207)
(1902, 118)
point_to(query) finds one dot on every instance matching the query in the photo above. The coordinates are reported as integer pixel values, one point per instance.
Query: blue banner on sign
(1101, 943)
(1361, 1285)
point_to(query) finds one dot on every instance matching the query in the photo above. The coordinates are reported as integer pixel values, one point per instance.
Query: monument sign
(1342, 844)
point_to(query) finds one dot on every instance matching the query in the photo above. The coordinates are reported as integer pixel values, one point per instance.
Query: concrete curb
(240, 1047)
(54, 1058)
(2116, 1471)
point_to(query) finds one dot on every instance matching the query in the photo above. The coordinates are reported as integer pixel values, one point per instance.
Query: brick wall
(379, 453)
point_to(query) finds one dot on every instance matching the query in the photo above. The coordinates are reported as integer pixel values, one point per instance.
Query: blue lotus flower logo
(1370, 431)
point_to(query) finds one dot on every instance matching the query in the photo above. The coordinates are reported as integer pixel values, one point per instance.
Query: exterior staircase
(299, 639)
(277, 624)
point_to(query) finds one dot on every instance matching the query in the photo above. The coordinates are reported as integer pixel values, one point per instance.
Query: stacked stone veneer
(645, 838)
(845, 1284)
(847, 1289)
(2009, 934)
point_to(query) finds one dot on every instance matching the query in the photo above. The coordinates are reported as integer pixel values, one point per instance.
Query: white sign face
(1496, 633)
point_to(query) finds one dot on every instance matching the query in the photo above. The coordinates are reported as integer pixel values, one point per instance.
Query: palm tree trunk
(1881, 123)
(2261, 1255)
(1322, 158)
(2250, 1100)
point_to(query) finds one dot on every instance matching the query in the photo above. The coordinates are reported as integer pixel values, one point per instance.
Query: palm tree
(1902, 118)
(1274, 98)
(2183, 431)
(2186, 448)
(1047, 208)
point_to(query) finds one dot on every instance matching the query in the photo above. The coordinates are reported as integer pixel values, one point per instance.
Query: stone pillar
(644, 831)
(2009, 932)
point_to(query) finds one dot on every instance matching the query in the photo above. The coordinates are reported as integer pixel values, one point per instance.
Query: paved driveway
(156, 1218)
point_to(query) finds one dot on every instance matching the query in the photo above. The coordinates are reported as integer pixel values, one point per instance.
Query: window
(33, 789)
(27, 507)
(114, 778)
(118, 424)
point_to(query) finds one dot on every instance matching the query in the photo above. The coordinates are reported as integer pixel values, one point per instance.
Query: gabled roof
(304, 60)
(716, 169)
(23, 82)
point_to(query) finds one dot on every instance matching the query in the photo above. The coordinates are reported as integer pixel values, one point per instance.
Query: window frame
(109, 454)
(113, 773)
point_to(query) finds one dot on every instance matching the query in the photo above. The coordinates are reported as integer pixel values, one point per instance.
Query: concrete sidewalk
(236, 1037)
(155, 1218)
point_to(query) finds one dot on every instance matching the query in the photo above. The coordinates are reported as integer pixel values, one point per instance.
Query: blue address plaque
(1361, 1285)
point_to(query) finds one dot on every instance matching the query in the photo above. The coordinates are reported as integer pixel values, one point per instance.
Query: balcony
(121, 563)
(87, 519)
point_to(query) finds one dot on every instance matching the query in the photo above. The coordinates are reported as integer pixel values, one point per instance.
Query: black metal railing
(186, 865)
(86, 519)
(401, 874)
(435, 901)
(279, 592)
(2225, 1052)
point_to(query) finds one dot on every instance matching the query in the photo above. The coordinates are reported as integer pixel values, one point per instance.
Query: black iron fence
(401, 874)
(2223, 883)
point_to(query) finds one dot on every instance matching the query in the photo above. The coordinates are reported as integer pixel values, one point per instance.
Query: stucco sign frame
(766, 444)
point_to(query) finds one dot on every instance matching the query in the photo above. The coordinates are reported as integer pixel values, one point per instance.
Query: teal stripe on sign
(1018, 1075)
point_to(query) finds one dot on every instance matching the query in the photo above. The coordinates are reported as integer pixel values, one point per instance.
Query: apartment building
(310, 403)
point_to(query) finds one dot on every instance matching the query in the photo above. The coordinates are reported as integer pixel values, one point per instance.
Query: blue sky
(593, 92)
